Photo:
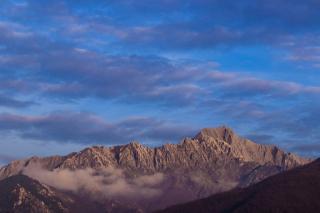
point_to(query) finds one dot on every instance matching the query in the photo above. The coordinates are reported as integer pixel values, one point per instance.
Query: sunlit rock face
(215, 160)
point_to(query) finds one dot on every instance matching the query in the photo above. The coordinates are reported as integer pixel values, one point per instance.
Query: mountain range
(137, 178)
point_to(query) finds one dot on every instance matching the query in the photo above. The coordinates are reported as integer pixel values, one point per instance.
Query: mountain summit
(247, 150)
(215, 160)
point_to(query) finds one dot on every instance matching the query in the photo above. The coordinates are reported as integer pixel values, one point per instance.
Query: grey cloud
(227, 23)
(304, 148)
(261, 138)
(32, 62)
(294, 126)
(297, 121)
(90, 129)
(67, 73)
(62, 70)
(304, 51)
(239, 85)
(6, 101)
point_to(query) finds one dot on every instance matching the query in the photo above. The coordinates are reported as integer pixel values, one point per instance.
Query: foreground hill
(20, 194)
(215, 160)
(297, 190)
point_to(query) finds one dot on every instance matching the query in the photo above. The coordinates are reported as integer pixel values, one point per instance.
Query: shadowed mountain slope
(22, 194)
(297, 190)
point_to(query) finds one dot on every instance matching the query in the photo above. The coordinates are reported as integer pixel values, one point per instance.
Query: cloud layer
(161, 69)
(106, 183)
(86, 128)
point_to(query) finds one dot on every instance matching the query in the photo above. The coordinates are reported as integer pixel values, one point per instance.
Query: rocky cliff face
(248, 151)
(208, 146)
(214, 160)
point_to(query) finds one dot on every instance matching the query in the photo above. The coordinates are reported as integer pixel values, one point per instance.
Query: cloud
(294, 128)
(75, 52)
(307, 149)
(67, 69)
(261, 138)
(173, 26)
(304, 51)
(86, 128)
(222, 24)
(240, 85)
(6, 101)
(64, 72)
(103, 183)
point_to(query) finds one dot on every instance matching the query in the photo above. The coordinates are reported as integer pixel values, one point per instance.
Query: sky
(80, 73)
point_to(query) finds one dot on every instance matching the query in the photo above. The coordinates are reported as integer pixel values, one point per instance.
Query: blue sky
(81, 73)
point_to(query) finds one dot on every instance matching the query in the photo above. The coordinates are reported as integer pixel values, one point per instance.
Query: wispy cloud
(6, 101)
(158, 64)
(88, 128)
(240, 85)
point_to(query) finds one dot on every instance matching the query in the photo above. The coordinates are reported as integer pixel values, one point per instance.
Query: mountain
(215, 160)
(297, 190)
(19, 194)
(22, 194)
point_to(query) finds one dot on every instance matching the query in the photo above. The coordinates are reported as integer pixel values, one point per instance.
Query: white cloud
(104, 183)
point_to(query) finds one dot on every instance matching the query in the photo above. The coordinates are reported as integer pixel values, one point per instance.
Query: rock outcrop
(23, 194)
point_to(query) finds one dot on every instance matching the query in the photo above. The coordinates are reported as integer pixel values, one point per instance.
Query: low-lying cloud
(103, 183)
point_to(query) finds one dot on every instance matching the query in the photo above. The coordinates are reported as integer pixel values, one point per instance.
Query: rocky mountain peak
(223, 133)
(208, 145)
(134, 146)
(215, 160)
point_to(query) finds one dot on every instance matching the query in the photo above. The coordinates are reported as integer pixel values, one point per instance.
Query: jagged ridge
(207, 146)
(215, 160)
